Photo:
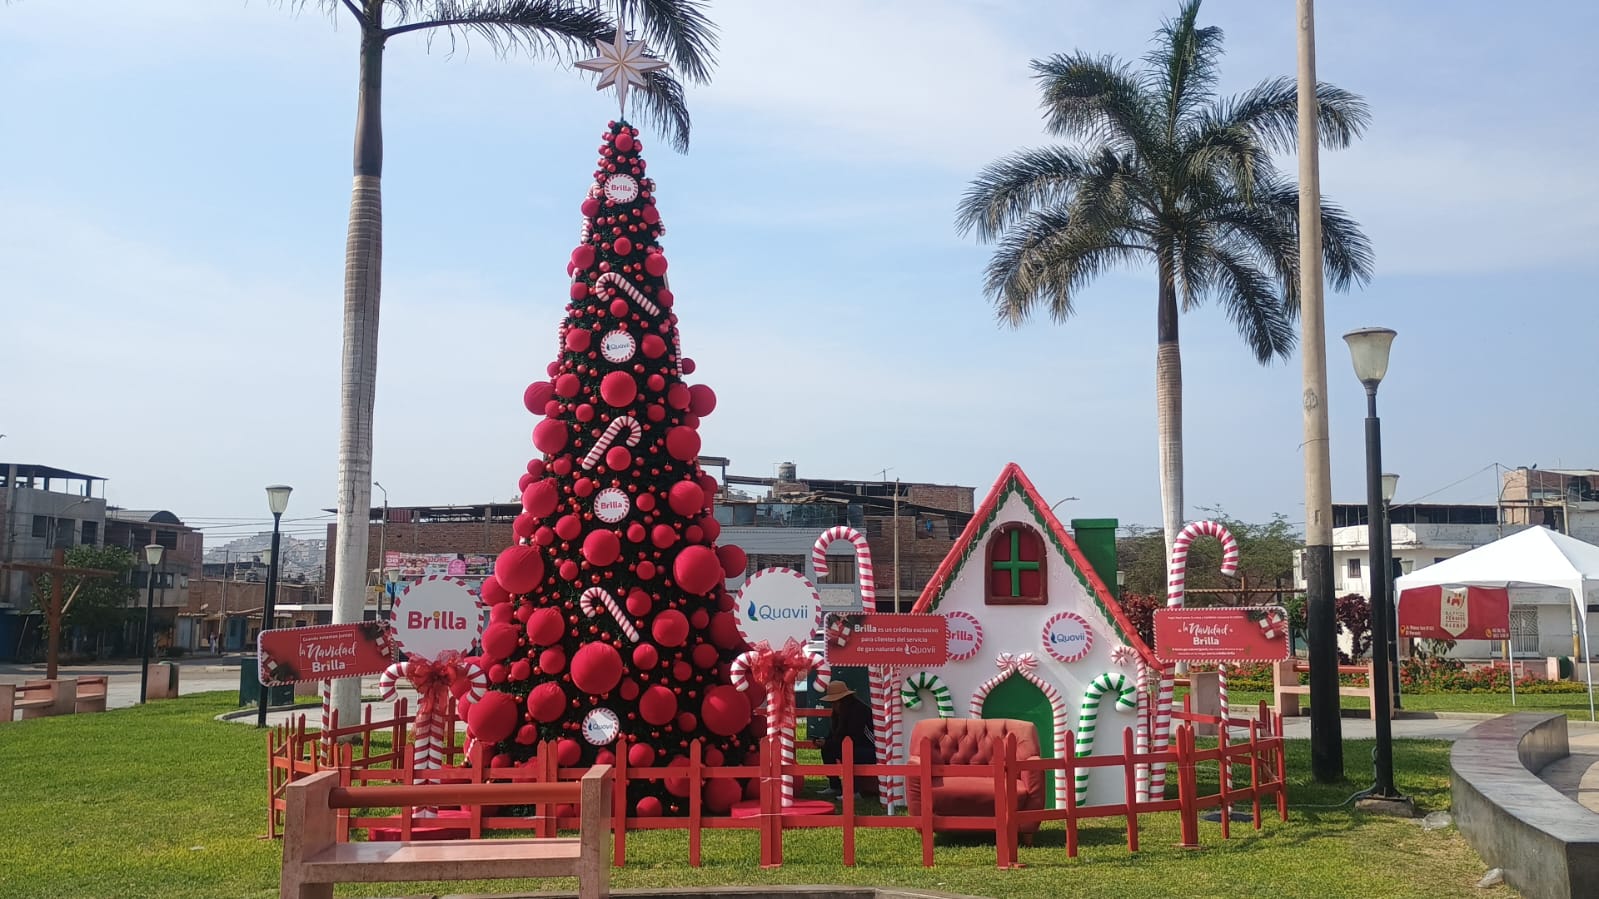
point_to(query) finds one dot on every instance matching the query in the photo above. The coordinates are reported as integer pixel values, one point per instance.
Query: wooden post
(846, 783)
(58, 568)
(308, 830)
(593, 880)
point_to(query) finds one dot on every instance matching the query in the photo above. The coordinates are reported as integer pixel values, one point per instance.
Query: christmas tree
(610, 626)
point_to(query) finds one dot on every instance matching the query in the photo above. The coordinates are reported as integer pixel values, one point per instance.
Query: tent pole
(1510, 663)
(1588, 658)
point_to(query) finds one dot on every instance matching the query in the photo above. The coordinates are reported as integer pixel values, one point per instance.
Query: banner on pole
(1223, 635)
(887, 640)
(1455, 613)
(293, 655)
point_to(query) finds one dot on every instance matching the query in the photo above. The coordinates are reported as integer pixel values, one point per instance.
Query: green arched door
(1019, 698)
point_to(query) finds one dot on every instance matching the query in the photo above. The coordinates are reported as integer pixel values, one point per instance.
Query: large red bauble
(545, 626)
(583, 256)
(537, 395)
(552, 368)
(662, 535)
(617, 458)
(596, 668)
(670, 628)
(655, 264)
(677, 397)
(704, 656)
(702, 399)
(623, 246)
(584, 412)
(624, 141)
(577, 339)
(654, 411)
(525, 481)
(492, 593)
(657, 705)
(710, 527)
(686, 722)
(683, 443)
(664, 297)
(653, 346)
(696, 569)
(552, 660)
(579, 291)
(647, 807)
(500, 613)
(651, 215)
(493, 717)
(550, 436)
(686, 498)
(638, 603)
(568, 386)
(720, 794)
(583, 487)
(568, 752)
(519, 569)
(521, 670)
(600, 548)
(568, 570)
(724, 710)
(619, 308)
(688, 366)
(677, 786)
(645, 571)
(618, 388)
(724, 630)
(541, 496)
(561, 467)
(645, 657)
(640, 755)
(645, 502)
(636, 533)
(629, 690)
(499, 641)
(527, 735)
(567, 527)
(692, 534)
(681, 670)
(547, 702)
(734, 560)
(590, 207)
(535, 467)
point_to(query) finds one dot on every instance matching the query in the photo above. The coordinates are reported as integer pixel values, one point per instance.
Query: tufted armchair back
(973, 741)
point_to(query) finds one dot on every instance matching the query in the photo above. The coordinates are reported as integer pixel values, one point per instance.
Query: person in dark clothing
(852, 719)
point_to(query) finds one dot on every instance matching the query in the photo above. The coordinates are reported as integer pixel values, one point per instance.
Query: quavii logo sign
(778, 603)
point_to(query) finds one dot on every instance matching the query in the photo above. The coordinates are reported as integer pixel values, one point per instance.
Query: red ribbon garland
(776, 670)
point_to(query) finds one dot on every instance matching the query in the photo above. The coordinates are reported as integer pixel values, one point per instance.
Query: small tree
(98, 605)
(1265, 556)
(1354, 619)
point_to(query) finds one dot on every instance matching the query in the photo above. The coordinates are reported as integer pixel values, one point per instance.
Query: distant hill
(302, 559)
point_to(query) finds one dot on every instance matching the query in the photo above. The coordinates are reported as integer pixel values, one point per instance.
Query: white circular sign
(436, 615)
(1068, 637)
(611, 505)
(964, 635)
(775, 605)
(621, 188)
(618, 346)
(601, 727)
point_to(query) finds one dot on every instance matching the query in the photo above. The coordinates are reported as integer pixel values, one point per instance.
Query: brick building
(230, 610)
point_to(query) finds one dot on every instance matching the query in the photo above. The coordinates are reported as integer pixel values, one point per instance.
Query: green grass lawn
(164, 802)
(1575, 705)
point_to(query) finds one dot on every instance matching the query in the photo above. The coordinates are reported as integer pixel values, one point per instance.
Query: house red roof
(1014, 480)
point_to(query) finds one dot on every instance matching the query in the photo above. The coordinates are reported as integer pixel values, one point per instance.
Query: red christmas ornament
(492, 593)
(688, 366)
(623, 246)
(692, 534)
(527, 735)
(567, 527)
(686, 722)
(583, 488)
(577, 340)
(499, 641)
(640, 755)
(685, 497)
(677, 396)
(710, 527)
(645, 657)
(657, 705)
(704, 656)
(654, 412)
(535, 467)
(617, 458)
(676, 786)
(544, 536)
(663, 536)
(618, 388)
(724, 631)
(653, 346)
(628, 691)
(540, 497)
(519, 569)
(600, 548)
(645, 571)
(734, 560)
(683, 443)
(654, 263)
(702, 400)
(724, 710)
(547, 702)
(590, 207)
(645, 502)
(552, 660)
(544, 627)
(493, 717)
(537, 395)
(720, 795)
(651, 215)
(670, 627)
(696, 569)
(500, 614)
(568, 752)
(568, 570)
(550, 436)
(521, 670)
(567, 385)
(624, 141)
(619, 308)
(636, 533)
(647, 807)
(664, 295)
(596, 668)
(584, 413)
(580, 290)
(583, 256)
(638, 603)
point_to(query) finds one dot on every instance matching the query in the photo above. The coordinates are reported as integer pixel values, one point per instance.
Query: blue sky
(176, 184)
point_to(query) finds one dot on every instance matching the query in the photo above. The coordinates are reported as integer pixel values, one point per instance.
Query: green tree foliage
(96, 604)
(1265, 559)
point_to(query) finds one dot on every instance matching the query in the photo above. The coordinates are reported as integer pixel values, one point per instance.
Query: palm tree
(1164, 171)
(541, 28)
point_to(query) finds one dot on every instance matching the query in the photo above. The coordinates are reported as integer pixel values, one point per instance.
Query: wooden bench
(313, 859)
(91, 694)
(1286, 688)
(39, 698)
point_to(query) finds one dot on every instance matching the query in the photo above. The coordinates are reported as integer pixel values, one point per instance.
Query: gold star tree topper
(621, 63)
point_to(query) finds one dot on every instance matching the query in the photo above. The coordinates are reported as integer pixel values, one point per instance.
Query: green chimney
(1096, 537)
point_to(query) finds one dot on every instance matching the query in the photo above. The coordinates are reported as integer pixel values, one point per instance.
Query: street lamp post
(1390, 484)
(1368, 347)
(383, 533)
(152, 555)
(277, 500)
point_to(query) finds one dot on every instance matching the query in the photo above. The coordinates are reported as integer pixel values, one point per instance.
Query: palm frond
(537, 27)
(1046, 258)
(1212, 149)
(1263, 319)
(1025, 181)
(660, 103)
(1270, 109)
(677, 29)
(1096, 99)
(1266, 223)
(1346, 253)
(1183, 65)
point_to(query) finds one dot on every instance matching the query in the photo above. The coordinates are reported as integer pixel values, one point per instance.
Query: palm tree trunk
(1169, 404)
(363, 265)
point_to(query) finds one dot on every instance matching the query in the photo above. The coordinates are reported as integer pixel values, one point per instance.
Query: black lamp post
(152, 555)
(277, 500)
(1390, 484)
(1368, 347)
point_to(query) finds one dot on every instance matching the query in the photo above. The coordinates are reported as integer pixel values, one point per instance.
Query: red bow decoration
(433, 678)
(776, 670)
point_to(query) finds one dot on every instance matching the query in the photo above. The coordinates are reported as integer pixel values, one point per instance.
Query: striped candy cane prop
(1025, 666)
(910, 694)
(586, 604)
(885, 705)
(822, 673)
(1141, 734)
(432, 680)
(1175, 587)
(634, 433)
(776, 671)
(640, 300)
(1088, 718)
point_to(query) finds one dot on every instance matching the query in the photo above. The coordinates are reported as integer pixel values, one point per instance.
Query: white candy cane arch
(1025, 666)
(886, 710)
(1176, 581)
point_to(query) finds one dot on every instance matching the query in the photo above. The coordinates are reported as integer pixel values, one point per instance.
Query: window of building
(168, 539)
(1354, 568)
(90, 533)
(1016, 567)
(41, 526)
(840, 570)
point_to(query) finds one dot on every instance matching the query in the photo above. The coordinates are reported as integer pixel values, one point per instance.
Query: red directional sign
(888, 640)
(321, 652)
(1227, 635)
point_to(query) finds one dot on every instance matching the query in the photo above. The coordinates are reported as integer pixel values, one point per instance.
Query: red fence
(1261, 754)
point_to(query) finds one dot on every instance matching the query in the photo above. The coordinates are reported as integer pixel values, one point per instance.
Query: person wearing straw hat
(852, 719)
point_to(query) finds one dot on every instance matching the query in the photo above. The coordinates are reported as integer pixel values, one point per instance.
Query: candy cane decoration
(586, 603)
(885, 710)
(1024, 665)
(1088, 718)
(916, 683)
(1175, 583)
(634, 433)
(821, 671)
(428, 727)
(1141, 734)
(639, 299)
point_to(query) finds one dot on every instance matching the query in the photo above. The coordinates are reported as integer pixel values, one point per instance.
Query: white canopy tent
(1536, 557)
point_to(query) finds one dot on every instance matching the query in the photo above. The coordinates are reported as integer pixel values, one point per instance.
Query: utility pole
(1326, 729)
(896, 545)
